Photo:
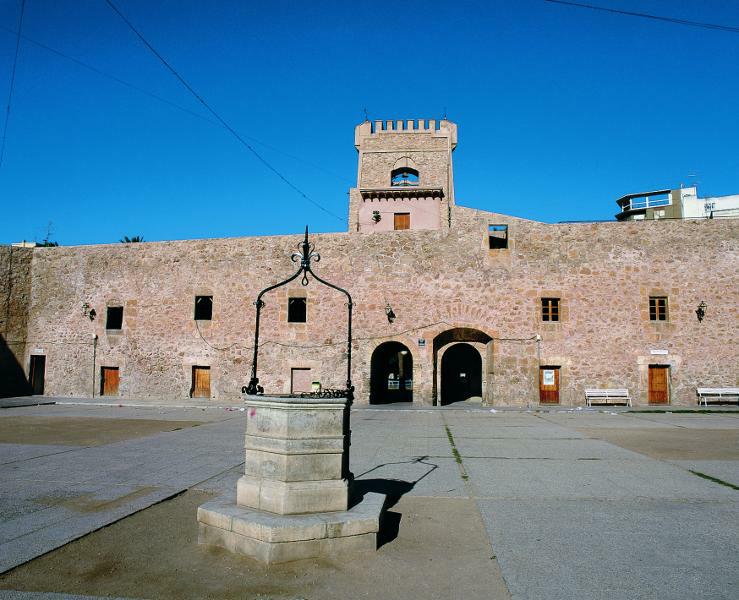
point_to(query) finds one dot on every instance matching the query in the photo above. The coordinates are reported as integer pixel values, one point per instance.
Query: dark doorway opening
(391, 374)
(37, 374)
(461, 374)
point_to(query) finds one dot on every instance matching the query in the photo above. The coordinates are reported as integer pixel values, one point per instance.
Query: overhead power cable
(12, 81)
(218, 117)
(157, 97)
(629, 13)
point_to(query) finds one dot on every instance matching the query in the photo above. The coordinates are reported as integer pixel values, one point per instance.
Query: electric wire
(12, 81)
(161, 99)
(628, 13)
(218, 117)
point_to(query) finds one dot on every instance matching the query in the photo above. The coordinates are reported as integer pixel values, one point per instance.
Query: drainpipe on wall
(94, 357)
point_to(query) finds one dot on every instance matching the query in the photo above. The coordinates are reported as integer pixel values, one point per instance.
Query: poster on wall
(548, 377)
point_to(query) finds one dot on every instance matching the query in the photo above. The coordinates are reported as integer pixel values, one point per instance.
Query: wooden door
(109, 380)
(200, 382)
(402, 221)
(659, 388)
(37, 374)
(549, 385)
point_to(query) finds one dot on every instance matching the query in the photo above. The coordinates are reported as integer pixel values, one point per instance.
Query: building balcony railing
(644, 202)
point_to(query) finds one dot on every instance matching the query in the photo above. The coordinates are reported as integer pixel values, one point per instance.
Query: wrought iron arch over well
(306, 255)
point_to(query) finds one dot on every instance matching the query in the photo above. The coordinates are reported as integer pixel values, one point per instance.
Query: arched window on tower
(404, 173)
(403, 177)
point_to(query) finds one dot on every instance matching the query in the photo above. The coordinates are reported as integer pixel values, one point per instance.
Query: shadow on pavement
(394, 490)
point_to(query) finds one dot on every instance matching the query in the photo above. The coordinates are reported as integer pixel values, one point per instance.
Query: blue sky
(560, 110)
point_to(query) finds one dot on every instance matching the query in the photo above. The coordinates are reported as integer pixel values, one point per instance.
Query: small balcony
(639, 203)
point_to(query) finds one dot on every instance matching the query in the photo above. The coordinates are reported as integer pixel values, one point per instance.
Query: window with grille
(658, 308)
(550, 309)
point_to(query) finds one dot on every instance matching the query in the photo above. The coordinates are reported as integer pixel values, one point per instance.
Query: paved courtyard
(100, 501)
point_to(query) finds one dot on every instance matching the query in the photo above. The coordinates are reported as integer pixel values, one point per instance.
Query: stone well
(293, 500)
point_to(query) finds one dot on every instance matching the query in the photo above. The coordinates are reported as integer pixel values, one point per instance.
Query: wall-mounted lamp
(701, 311)
(88, 312)
(389, 312)
(376, 216)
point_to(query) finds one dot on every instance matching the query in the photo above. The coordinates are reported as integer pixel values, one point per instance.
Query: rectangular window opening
(550, 309)
(402, 221)
(498, 237)
(296, 310)
(658, 308)
(114, 318)
(203, 308)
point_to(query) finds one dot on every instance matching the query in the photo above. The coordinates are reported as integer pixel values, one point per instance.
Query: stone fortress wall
(435, 281)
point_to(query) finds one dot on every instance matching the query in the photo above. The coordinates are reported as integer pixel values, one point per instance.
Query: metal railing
(645, 202)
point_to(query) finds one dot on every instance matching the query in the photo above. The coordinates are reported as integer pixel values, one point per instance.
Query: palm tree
(132, 240)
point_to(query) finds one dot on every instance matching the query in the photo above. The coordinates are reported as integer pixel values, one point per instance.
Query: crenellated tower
(405, 178)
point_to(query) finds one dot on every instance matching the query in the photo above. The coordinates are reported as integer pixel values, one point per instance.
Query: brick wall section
(15, 283)
(434, 280)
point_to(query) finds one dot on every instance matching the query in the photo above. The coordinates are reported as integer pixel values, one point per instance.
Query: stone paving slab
(19, 452)
(15, 595)
(573, 448)
(725, 470)
(53, 499)
(591, 550)
(25, 401)
(588, 479)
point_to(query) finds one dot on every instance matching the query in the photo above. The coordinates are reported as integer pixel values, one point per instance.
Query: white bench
(717, 394)
(604, 396)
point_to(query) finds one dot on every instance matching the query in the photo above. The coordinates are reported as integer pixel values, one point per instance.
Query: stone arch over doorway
(460, 361)
(391, 374)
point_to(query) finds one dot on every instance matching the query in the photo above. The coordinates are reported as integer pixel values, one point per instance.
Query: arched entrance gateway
(461, 374)
(461, 366)
(391, 374)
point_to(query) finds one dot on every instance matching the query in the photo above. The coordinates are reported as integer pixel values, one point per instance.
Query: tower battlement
(440, 127)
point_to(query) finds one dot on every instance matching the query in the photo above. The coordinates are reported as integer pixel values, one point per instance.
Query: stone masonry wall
(15, 279)
(434, 280)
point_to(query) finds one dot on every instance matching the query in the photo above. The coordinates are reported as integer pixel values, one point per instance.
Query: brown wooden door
(402, 221)
(549, 385)
(659, 392)
(37, 374)
(109, 380)
(200, 382)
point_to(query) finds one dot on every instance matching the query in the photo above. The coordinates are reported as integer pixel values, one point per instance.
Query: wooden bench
(729, 394)
(604, 396)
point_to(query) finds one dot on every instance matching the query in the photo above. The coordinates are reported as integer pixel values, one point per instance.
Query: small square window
(498, 237)
(658, 308)
(296, 310)
(203, 308)
(402, 221)
(114, 318)
(550, 309)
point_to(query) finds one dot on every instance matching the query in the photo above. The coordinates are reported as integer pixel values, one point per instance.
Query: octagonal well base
(272, 538)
